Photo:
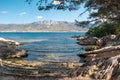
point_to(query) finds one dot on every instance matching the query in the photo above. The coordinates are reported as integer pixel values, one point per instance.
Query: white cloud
(4, 12)
(56, 2)
(39, 17)
(22, 13)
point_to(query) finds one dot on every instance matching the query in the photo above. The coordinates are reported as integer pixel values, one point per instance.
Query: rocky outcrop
(102, 42)
(9, 49)
(110, 40)
(12, 42)
(85, 40)
(100, 64)
(108, 49)
(102, 68)
(36, 70)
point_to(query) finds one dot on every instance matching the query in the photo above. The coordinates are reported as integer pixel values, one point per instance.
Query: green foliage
(104, 29)
(57, 4)
(95, 32)
(104, 13)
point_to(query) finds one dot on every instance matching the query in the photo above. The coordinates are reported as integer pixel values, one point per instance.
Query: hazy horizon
(38, 21)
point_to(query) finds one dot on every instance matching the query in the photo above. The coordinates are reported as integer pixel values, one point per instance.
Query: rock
(103, 68)
(2, 77)
(101, 42)
(81, 37)
(18, 53)
(102, 63)
(112, 37)
(75, 36)
(10, 51)
(1, 62)
(12, 42)
(104, 52)
(87, 40)
(109, 40)
(91, 48)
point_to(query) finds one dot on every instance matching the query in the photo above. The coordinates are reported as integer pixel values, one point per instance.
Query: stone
(12, 42)
(113, 36)
(8, 50)
(101, 42)
(102, 63)
(91, 47)
(87, 40)
(107, 68)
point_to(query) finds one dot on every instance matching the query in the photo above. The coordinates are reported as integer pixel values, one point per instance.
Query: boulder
(108, 40)
(102, 63)
(10, 51)
(101, 42)
(12, 42)
(91, 47)
(84, 40)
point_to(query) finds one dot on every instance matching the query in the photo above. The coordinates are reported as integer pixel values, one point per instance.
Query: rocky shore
(9, 49)
(101, 62)
(16, 69)
(13, 67)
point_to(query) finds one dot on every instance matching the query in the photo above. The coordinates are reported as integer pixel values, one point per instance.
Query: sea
(47, 46)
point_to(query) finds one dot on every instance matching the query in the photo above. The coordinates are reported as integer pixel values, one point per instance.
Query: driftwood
(105, 49)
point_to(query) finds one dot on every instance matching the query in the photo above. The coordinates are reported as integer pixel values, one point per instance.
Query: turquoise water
(47, 46)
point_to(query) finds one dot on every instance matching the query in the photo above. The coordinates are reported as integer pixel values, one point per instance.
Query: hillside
(41, 26)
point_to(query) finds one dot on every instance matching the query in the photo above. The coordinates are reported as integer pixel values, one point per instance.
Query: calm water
(47, 46)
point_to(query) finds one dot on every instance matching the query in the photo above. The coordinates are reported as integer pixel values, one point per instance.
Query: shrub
(104, 29)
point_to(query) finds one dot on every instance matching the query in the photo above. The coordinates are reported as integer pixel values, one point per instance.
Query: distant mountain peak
(41, 26)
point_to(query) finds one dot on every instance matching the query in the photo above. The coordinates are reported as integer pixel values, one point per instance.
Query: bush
(104, 29)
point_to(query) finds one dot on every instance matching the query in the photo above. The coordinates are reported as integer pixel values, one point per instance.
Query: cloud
(22, 13)
(3, 12)
(39, 17)
(55, 2)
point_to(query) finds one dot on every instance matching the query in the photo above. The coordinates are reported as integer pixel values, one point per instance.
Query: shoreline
(101, 63)
(45, 32)
(13, 67)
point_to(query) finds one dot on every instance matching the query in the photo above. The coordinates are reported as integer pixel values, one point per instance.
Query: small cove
(48, 46)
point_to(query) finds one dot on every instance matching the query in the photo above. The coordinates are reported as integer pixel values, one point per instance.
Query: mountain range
(42, 26)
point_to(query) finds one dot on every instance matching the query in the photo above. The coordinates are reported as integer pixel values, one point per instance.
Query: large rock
(8, 50)
(110, 40)
(100, 69)
(91, 47)
(12, 42)
(84, 40)
(101, 64)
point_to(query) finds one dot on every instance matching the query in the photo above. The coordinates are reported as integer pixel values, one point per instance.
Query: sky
(20, 12)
